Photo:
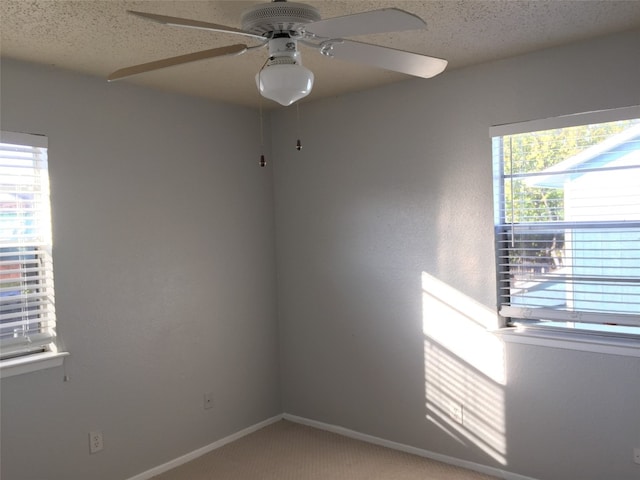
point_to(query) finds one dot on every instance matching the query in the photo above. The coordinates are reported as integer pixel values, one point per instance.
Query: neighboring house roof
(622, 147)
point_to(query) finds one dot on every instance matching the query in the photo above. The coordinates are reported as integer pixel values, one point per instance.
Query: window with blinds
(567, 205)
(27, 307)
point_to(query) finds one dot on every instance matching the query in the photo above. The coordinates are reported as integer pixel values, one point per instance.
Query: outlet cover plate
(456, 412)
(95, 441)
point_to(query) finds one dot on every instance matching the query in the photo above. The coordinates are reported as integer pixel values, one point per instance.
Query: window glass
(567, 204)
(27, 310)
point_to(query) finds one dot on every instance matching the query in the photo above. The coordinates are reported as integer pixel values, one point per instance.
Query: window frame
(49, 353)
(557, 336)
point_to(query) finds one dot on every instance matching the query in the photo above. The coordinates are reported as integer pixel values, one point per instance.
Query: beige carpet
(289, 451)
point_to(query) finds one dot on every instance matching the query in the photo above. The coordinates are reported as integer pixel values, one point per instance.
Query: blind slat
(569, 316)
(32, 325)
(21, 345)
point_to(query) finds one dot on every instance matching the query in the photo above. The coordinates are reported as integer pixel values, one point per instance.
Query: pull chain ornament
(298, 143)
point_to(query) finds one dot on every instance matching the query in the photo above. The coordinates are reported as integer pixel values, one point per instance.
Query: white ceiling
(98, 37)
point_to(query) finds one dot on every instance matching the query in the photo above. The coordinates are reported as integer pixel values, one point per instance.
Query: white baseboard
(496, 472)
(206, 449)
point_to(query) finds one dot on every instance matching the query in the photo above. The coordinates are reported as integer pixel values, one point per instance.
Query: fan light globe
(285, 84)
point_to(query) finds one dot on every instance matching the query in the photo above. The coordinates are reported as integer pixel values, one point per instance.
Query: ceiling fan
(281, 25)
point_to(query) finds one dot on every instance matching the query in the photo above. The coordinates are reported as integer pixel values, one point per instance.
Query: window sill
(31, 363)
(571, 340)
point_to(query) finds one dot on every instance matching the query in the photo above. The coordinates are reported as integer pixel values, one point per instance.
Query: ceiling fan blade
(387, 58)
(365, 23)
(180, 59)
(185, 22)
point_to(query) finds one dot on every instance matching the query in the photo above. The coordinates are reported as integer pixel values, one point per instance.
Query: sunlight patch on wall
(460, 324)
(464, 368)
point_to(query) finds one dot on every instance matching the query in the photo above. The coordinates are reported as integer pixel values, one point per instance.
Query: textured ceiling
(98, 37)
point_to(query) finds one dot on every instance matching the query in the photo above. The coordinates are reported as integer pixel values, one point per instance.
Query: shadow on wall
(465, 372)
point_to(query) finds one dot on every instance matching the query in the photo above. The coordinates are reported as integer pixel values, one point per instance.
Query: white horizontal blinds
(27, 312)
(568, 235)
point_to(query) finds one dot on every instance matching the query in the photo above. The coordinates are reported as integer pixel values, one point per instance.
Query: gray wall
(395, 182)
(163, 252)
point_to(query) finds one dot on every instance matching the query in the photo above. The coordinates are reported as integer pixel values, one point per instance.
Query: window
(27, 311)
(567, 208)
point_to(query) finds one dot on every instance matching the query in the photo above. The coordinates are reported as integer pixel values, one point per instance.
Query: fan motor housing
(278, 17)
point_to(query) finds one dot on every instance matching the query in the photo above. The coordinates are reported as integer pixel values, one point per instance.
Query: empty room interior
(223, 262)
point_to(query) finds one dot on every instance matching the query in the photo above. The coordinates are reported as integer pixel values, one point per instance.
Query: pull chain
(298, 143)
(263, 161)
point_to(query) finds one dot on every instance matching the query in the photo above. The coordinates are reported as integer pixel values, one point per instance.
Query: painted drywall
(164, 264)
(387, 281)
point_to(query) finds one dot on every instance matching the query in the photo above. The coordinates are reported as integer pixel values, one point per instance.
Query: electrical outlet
(456, 412)
(636, 455)
(208, 400)
(95, 441)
